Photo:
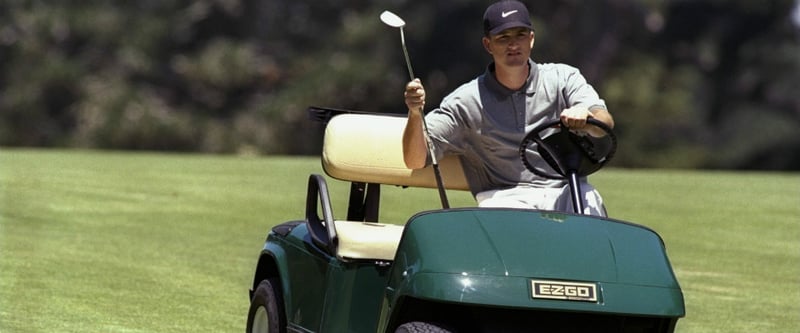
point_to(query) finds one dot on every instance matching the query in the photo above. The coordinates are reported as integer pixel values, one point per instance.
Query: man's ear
(485, 42)
(533, 38)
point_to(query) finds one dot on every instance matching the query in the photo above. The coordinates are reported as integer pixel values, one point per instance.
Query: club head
(392, 20)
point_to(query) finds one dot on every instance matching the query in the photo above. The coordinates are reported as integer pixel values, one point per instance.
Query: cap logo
(505, 14)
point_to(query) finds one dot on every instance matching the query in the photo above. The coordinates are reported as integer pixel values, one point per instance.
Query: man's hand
(415, 148)
(415, 96)
(576, 116)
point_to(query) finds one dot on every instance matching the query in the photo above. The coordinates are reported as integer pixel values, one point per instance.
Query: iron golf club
(392, 20)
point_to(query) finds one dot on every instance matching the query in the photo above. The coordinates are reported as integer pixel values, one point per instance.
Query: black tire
(420, 327)
(266, 313)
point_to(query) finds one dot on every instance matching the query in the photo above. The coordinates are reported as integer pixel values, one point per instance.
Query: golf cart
(459, 269)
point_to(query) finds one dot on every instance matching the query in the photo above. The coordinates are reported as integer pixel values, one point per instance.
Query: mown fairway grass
(123, 242)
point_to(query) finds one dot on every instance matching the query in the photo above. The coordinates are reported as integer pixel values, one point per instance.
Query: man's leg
(520, 197)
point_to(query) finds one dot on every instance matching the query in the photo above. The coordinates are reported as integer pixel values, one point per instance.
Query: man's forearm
(415, 152)
(603, 116)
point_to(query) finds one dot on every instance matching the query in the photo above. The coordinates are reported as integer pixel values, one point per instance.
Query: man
(485, 120)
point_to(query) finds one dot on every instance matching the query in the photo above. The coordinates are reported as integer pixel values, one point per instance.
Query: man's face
(511, 47)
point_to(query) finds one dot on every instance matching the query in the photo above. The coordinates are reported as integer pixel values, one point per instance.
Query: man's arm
(585, 104)
(575, 118)
(415, 147)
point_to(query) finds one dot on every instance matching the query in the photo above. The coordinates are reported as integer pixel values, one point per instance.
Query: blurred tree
(703, 83)
(746, 54)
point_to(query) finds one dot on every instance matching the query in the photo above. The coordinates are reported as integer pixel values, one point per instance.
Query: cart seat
(367, 240)
(368, 148)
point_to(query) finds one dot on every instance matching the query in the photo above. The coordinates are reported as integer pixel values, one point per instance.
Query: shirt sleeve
(455, 116)
(577, 91)
(443, 127)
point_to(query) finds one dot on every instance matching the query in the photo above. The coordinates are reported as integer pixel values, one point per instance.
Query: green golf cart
(456, 269)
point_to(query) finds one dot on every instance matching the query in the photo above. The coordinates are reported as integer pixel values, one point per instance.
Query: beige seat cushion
(366, 240)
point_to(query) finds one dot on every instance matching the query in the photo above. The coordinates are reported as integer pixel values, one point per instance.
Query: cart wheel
(266, 313)
(420, 327)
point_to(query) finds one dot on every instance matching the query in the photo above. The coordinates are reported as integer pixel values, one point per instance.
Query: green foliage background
(693, 84)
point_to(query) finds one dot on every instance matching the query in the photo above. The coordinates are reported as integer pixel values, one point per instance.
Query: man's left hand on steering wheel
(576, 118)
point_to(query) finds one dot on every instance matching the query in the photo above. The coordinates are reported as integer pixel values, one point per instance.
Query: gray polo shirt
(484, 122)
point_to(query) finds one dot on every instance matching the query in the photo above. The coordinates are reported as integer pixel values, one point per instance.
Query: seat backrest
(368, 148)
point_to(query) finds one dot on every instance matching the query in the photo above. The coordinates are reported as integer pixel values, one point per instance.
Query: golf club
(392, 20)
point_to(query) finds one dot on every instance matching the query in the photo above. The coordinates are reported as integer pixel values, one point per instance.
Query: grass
(123, 242)
(733, 240)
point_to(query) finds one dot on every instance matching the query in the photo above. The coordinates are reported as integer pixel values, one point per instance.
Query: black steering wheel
(569, 153)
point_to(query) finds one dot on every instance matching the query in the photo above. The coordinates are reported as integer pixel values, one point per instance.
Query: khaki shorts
(557, 199)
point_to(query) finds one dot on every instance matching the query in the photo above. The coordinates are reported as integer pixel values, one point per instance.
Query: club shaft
(434, 161)
(405, 53)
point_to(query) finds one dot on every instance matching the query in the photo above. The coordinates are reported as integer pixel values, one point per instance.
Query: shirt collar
(530, 83)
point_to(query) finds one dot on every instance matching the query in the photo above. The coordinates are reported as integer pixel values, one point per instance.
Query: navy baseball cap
(504, 15)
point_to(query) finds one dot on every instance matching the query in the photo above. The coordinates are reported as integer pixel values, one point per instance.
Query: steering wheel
(567, 153)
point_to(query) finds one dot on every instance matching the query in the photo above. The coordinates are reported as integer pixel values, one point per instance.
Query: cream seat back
(368, 148)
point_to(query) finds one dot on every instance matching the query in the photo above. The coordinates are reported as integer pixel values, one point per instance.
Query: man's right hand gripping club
(415, 151)
(415, 96)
